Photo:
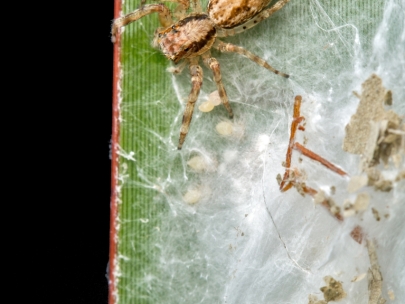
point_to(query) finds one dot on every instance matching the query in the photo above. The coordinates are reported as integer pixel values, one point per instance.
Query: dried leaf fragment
(333, 291)
(376, 214)
(357, 234)
(374, 277)
(376, 179)
(314, 300)
(373, 132)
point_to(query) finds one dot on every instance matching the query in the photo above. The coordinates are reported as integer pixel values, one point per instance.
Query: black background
(68, 262)
(88, 235)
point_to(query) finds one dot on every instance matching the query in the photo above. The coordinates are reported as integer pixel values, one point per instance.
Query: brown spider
(193, 35)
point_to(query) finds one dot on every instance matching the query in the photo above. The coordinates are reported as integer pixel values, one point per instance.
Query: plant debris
(373, 132)
(333, 291)
(374, 277)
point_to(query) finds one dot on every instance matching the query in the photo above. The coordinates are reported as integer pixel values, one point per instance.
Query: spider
(193, 35)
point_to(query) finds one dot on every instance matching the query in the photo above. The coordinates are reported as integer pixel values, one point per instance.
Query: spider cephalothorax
(193, 36)
(189, 37)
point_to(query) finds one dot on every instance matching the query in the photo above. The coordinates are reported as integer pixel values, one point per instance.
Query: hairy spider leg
(164, 17)
(224, 32)
(196, 82)
(213, 64)
(231, 48)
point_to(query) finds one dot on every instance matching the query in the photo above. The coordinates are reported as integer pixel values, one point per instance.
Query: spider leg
(164, 17)
(222, 32)
(213, 64)
(229, 47)
(196, 82)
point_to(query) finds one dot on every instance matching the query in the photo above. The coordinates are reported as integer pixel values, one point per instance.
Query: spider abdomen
(189, 37)
(231, 13)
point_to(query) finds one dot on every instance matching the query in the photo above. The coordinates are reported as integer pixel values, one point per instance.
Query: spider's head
(189, 37)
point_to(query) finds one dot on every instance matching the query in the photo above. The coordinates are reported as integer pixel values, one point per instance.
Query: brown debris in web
(314, 300)
(321, 198)
(357, 234)
(401, 175)
(318, 158)
(294, 125)
(360, 204)
(333, 291)
(376, 134)
(374, 276)
(295, 178)
(376, 214)
(373, 132)
(376, 179)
